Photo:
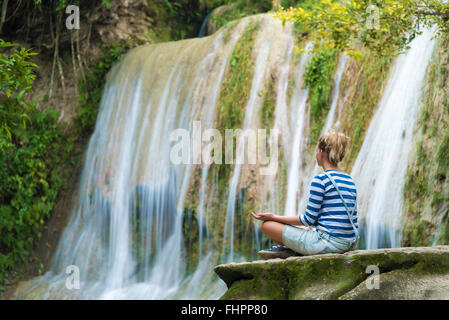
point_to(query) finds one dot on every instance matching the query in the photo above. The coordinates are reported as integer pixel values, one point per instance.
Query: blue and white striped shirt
(325, 209)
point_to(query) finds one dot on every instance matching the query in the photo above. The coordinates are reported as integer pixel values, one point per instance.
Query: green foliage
(238, 9)
(29, 175)
(185, 15)
(268, 106)
(91, 89)
(16, 76)
(235, 91)
(190, 230)
(30, 156)
(30, 181)
(237, 85)
(318, 78)
(306, 4)
(385, 26)
(444, 235)
(364, 85)
(443, 155)
(106, 3)
(175, 19)
(16, 71)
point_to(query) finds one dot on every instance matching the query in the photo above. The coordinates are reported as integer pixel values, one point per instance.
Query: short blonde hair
(334, 143)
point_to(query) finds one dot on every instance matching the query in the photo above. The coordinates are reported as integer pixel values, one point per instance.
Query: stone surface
(403, 284)
(211, 27)
(405, 273)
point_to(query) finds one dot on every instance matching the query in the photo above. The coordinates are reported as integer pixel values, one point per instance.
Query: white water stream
(379, 170)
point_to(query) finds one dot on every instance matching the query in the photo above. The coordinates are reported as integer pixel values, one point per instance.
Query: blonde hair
(334, 143)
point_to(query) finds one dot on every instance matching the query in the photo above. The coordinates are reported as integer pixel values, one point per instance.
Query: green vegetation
(36, 155)
(384, 26)
(16, 74)
(237, 9)
(190, 229)
(364, 83)
(174, 20)
(235, 92)
(91, 88)
(236, 86)
(234, 95)
(268, 105)
(426, 187)
(31, 151)
(319, 79)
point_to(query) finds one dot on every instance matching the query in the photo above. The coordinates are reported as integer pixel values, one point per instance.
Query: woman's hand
(263, 216)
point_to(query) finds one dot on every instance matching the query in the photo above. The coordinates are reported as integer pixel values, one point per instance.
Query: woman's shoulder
(333, 173)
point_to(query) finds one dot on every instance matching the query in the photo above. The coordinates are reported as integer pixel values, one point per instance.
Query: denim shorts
(308, 242)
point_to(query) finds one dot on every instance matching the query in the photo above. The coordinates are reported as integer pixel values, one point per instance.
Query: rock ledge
(404, 273)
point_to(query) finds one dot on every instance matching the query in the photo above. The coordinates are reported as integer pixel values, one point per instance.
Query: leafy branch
(385, 26)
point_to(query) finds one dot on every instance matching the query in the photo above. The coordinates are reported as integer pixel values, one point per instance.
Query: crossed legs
(273, 230)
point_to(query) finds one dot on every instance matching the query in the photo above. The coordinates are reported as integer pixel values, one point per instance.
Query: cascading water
(272, 191)
(254, 98)
(312, 169)
(330, 119)
(301, 174)
(297, 144)
(126, 234)
(203, 28)
(380, 167)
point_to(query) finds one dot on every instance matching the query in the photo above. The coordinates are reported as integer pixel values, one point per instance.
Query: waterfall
(300, 184)
(208, 120)
(379, 170)
(254, 98)
(330, 119)
(203, 28)
(125, 235)
(298, 144)
(136, 209)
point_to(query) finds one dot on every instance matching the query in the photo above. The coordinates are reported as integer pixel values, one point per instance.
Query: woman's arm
(294, 220)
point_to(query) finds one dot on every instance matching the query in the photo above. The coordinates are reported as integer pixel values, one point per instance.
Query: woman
(332, 201)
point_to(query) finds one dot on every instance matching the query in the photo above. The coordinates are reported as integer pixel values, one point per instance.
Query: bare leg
(273, 230)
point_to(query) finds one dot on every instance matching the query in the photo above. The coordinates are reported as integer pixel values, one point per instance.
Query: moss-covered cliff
(427, 183)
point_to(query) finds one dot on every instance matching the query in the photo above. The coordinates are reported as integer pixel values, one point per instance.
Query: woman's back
(333, 198)
(326, 209)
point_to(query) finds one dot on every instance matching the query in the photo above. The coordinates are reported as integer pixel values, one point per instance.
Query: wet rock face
(400, 273)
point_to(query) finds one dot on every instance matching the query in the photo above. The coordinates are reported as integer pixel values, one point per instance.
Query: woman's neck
(328, 166)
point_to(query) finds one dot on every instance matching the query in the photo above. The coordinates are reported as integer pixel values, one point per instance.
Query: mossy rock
(403, 285)
(334, 276)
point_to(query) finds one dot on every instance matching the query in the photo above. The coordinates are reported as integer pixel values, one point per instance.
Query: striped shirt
(325, 209)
